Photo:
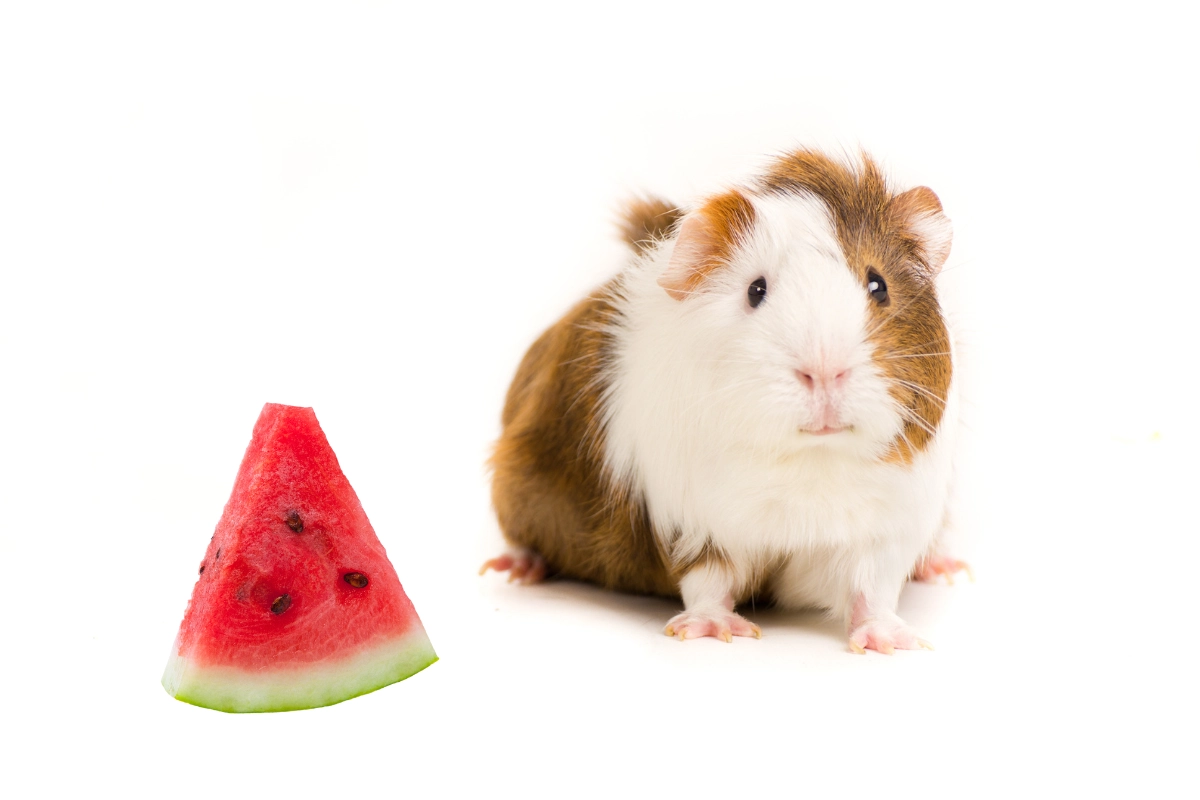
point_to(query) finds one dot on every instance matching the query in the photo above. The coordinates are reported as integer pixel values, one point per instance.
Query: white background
(373, 208)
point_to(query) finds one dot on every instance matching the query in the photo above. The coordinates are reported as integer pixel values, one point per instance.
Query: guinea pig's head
(811, 294)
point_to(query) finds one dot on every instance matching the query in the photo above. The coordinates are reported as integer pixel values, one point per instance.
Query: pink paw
(931, 567)
(885, 637)
(521, 565)
(720, 623)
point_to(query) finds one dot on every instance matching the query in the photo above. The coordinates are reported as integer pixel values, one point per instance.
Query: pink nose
(825, 379)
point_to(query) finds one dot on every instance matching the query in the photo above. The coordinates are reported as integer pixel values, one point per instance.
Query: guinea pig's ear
(707, 237)
(920, 211)
(695, 246)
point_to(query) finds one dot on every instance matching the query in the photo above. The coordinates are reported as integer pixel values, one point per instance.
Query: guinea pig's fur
(682, 432)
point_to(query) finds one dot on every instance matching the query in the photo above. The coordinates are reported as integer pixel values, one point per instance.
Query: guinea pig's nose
(825, 378)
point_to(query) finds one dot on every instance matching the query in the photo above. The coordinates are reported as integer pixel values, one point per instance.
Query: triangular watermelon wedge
(297, 605)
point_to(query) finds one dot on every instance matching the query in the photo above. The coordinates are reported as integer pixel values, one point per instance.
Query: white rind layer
(307, 686)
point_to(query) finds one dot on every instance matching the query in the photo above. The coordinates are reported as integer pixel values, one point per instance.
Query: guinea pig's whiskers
(907, 441)
(916, 387)
(915, 355)
(911, 348)
(946, 269)
(910, 415)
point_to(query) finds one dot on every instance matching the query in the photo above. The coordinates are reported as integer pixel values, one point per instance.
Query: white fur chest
(756, 505)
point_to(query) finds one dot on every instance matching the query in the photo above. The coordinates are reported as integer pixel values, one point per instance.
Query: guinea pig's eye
(757, 291)
(877, 287)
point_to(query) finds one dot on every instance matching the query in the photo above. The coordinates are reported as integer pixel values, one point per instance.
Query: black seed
(281, 604)
(218, 558)
(201, 569)
(355, 579)
(294, 522)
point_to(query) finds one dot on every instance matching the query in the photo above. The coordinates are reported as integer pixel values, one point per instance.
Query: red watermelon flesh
(297, 605)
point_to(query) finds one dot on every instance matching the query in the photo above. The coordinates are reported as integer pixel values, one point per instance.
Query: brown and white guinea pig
(761, 405)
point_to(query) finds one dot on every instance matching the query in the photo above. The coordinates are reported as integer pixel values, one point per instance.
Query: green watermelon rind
(298, 687)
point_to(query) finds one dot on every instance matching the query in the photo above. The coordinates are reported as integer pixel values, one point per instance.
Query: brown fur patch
(730, 217)
(647, 220)
(876, 232)
(706, 241)
(549, 488)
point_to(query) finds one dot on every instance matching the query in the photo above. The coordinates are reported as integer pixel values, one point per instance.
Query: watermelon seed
(355, 579)
(281, 604)
(218, 558)
(201, 569)
(294, 522)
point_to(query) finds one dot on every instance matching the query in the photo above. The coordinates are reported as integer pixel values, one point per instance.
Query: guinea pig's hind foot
(521, 564)
(719, 623)
(936, 565)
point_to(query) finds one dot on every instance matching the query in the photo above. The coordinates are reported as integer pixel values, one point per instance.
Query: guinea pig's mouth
(827, 431)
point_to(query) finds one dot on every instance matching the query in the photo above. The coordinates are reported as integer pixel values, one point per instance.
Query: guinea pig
(761, 405)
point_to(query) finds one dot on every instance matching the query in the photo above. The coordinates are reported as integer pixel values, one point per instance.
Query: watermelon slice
(297, 605)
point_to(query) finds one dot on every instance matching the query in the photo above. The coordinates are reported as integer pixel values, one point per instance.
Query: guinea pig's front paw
(885, 636)
(720, 623)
